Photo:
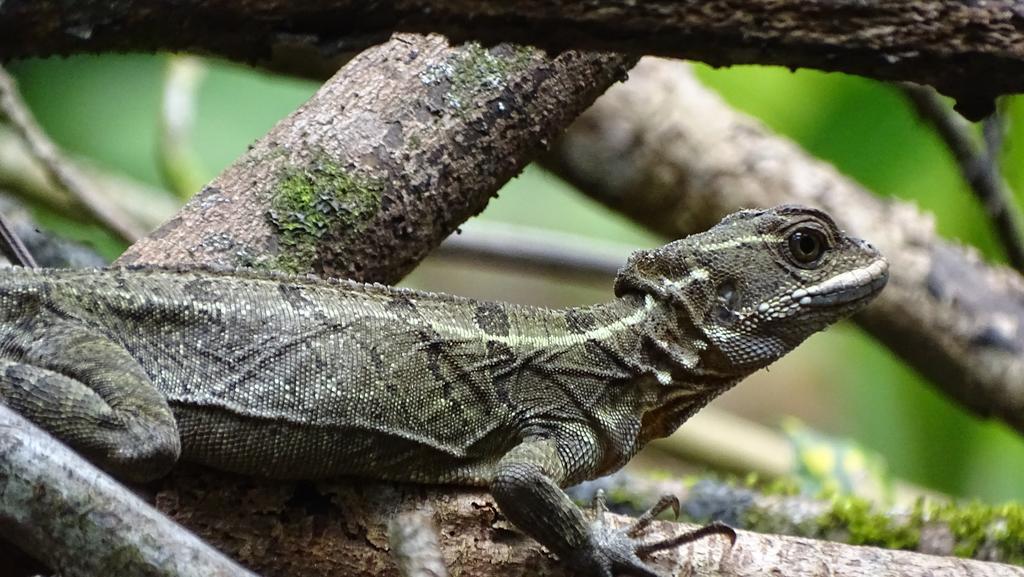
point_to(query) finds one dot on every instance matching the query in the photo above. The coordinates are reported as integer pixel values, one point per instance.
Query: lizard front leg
(90, 393)
(526, 487)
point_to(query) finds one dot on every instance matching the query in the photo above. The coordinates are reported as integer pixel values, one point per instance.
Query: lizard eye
(807, 245)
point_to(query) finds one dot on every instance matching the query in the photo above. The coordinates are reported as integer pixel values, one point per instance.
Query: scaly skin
(291, 377)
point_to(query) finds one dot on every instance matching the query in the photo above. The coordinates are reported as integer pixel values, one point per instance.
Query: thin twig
(12, 247)
(46, 248)
(24, 176)
(179, 162)
(61, 171)
(979, 166)
(536, 250)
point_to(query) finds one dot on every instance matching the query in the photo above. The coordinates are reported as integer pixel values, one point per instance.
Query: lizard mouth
(849, 291)
(846, 288)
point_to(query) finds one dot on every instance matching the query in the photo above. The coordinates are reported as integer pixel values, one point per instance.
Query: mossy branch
(934, 526)
(404, 144)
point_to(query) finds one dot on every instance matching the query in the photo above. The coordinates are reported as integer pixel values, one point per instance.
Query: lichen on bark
(476, 70)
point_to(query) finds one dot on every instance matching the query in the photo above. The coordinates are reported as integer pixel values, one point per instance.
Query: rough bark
(328, 529)
(970, 50)
(668, 153)
(81, 522)
(405, 143)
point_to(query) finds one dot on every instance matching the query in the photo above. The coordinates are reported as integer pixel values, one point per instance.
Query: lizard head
(757, 284)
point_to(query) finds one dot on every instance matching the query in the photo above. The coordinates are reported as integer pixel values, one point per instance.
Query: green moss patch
(973, 525)
(863, 526)
(310, 202)
(977, 525)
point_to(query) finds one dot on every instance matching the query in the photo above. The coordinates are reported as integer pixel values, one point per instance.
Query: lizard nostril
(866, 245)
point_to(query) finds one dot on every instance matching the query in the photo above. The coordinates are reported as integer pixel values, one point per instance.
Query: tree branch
(46, 248)
(79, 521)
(935, 526)
(23, 175)
(669, 154)
(537, 250)
(405, 143)
(13, 249)
(973, 51)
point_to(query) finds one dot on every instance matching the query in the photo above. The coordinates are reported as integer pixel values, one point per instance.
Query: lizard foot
(613, 551)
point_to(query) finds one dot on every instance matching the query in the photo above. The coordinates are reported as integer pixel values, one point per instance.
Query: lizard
(296, 377)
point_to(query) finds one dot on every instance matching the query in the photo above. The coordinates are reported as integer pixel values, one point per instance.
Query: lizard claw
(644, 520)
(617, 551)
(713, 528)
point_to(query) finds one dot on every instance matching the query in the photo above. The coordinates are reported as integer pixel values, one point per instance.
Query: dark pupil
(806, 246)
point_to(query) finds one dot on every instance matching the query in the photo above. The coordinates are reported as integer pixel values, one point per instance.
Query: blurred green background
(106, 108)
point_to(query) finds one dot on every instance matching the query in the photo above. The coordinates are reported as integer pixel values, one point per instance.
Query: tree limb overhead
(973, 51)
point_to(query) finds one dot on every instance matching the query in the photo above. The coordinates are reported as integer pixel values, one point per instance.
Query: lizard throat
(679, 404)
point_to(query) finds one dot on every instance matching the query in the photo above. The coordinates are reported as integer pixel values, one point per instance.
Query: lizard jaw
(847, 288)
